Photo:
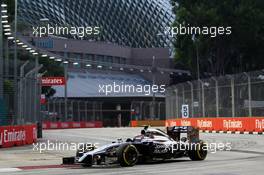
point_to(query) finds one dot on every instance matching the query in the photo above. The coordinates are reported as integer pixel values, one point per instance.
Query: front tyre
(127, 155)
(198, 151)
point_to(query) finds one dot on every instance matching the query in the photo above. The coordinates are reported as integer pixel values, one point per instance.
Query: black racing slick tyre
(127, 155)
(198, 151)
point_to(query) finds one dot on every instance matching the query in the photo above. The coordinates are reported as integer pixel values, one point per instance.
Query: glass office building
(133, 23)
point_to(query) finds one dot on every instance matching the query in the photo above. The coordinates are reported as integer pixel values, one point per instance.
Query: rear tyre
(198, 151)
(127, 155)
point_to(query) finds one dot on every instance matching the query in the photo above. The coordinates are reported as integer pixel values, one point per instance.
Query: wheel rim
(201, 152)
(130, 155)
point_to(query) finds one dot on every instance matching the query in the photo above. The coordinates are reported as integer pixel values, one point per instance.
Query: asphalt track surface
(246, 156)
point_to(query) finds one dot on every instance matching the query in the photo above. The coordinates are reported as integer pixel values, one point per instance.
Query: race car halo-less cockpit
(150, 145)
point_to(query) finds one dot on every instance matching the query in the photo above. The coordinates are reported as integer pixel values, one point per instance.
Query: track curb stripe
(47, 167)
(6, 170)
(232, 132)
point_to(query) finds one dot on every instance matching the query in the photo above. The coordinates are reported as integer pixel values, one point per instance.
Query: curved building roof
(134, 23)
(88, 85)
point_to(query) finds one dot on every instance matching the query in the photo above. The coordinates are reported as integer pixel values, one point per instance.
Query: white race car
(150, 145)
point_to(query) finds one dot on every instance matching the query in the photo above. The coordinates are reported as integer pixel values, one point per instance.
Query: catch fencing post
(190, 83)
(183, 94)
(79, 111)
(86, 111)
(249, 95)
(233, 95)
(177, 102)
(54, 107)
(216, 96)
(203, 104)
(60, 106)
(48, 107)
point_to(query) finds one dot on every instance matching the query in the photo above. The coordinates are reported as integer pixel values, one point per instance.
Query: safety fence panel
(239, 95)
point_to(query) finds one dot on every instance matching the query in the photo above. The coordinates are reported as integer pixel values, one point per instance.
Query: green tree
(224, 54)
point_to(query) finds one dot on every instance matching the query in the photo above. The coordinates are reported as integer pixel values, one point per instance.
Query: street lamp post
(192, 97)
(15, 63)
(21, 89)
(1, 59)
(65, 86)
(36, 97)
(153, 83)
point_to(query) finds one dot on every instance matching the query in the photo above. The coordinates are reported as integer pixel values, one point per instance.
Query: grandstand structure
(133, 23)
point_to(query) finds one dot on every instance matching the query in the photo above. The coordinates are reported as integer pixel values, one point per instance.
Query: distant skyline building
(133, 23)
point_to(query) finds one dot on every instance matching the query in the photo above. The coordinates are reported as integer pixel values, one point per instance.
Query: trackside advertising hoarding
(222, 124)
(69, 125)
(53, 81)
(250, 124)
(17, 135)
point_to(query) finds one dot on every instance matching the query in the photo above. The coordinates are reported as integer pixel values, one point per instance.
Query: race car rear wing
(176, 131)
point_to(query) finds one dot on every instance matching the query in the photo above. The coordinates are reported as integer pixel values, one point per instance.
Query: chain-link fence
(77, 110)
(145, 110)
(240, 95)
(101, 110)
(20, 100)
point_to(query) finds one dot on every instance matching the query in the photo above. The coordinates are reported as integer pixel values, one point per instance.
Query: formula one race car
(150, 145)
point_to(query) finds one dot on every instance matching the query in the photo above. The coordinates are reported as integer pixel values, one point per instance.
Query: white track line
(6, 170)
